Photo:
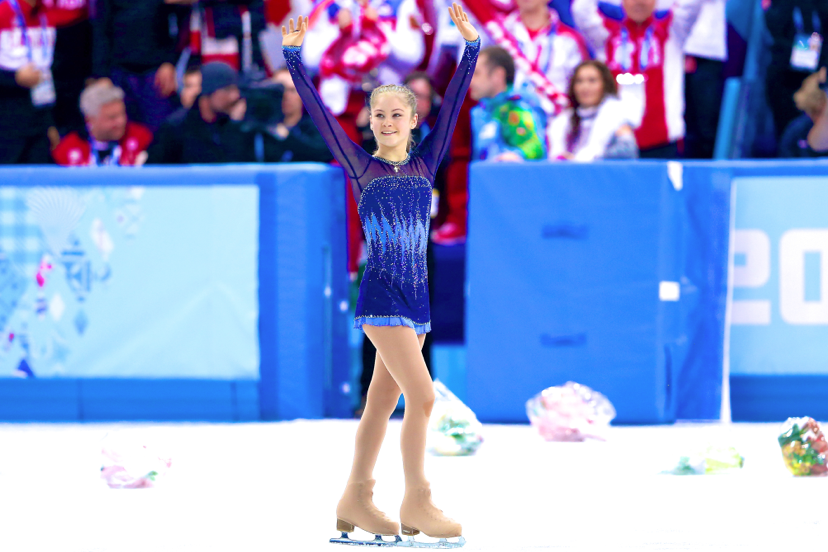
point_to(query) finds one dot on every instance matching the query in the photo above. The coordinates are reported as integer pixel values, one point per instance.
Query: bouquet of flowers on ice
(570, 412)
(713, 460)
(129, 464)
(804, 447)
(453, 429)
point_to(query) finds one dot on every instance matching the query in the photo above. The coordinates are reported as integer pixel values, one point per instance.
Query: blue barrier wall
(564, 261)
(178, 293)
(581, 272)
(219, 293)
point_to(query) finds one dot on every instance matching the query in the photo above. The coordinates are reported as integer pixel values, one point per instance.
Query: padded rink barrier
(591, 273)
(216, 293)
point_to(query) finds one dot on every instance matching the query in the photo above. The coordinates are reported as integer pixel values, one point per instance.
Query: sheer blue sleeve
(352, 157)
(435, 145)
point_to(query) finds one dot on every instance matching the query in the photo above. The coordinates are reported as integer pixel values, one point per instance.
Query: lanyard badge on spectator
(806, 47)
(632, 84)
(113, 160)
(624, 56)
(44, 92)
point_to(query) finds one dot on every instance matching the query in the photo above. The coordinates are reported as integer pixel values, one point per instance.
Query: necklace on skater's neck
(396, 164)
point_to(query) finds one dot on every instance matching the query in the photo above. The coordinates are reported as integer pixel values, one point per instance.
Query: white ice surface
(274, 487)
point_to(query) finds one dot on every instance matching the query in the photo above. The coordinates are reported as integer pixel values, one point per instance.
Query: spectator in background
(421, 84)
(208, 132)
(704, 76)
(818, 136)
(27, 92)
(296, 138)
(427, 108)
(73, 61)
(136, 45)
(547, 51)
(504, 124)
(597, 125)
(108, 137)
(798, 30)
(191, 86)
(644, 51)
(810, 99)
(230, 32)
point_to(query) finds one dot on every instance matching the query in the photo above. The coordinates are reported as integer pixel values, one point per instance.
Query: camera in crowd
(264, 106)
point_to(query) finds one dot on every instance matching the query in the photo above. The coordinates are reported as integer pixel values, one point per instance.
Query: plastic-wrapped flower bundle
(713, 460)
(129, 464)
(453, 429)
(804, 447)
(570, 412)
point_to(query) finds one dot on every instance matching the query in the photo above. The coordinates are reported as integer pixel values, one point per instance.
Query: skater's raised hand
(293, 36)
(461, 21)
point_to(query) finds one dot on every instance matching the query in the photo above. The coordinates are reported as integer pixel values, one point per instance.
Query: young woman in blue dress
(393, 191)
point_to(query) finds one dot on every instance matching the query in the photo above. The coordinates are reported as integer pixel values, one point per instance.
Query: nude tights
(399, 366)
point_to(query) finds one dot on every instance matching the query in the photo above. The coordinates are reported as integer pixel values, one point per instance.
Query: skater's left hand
(461, 21)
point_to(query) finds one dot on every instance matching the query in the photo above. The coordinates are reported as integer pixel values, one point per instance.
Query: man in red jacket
(109, 138)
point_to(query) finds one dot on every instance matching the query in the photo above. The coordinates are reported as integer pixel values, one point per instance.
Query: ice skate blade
(378, 541)
(442, 544)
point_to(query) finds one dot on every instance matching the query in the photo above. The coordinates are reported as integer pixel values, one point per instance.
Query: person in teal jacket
(507, 124)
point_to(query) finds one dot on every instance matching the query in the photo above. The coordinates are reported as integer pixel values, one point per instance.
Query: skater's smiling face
(393, 117)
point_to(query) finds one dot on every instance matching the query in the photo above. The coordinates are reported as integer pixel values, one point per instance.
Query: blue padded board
(303, 309)
(564, 267)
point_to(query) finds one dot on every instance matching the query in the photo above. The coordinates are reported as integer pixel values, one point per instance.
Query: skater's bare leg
(382, 398)
(400, 350)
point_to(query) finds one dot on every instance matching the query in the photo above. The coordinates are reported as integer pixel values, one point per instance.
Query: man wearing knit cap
(208, 132)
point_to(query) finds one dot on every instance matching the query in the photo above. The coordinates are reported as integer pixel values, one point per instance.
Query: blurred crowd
(134, 82)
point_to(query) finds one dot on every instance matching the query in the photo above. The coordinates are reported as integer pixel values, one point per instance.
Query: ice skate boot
(356, 509)
(418, 514)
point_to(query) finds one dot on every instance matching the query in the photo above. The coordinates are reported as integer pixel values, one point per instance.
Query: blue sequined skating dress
(394, 200)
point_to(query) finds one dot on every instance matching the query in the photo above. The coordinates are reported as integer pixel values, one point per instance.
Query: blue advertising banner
(780, 276)
(778, 339)
(129, 282)
(174, 293)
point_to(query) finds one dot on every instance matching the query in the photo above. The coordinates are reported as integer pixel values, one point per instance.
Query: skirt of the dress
(392, 301)
(419, 329)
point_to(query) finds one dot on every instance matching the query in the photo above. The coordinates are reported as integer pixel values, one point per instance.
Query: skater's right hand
(28, 76)
(293, 36)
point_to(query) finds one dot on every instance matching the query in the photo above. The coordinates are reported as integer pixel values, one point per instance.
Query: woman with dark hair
(597, 125)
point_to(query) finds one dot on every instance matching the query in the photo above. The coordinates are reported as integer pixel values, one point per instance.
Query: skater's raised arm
(435, 145)
(351, 156)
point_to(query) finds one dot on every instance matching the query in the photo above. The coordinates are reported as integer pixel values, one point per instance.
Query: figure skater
(393, 192)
